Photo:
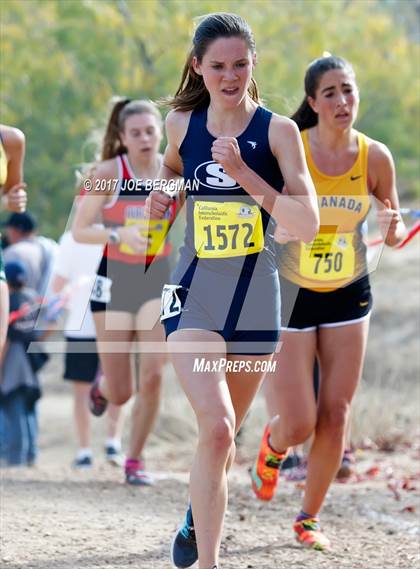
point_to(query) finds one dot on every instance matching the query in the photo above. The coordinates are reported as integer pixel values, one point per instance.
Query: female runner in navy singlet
(224, 294)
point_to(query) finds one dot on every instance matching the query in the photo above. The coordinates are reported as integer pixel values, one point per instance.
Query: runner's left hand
(388, 219)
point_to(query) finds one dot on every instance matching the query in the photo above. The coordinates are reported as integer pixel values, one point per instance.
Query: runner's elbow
(77, 234)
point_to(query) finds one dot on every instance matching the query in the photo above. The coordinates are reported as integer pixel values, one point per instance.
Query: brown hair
(192, 92)
(305, 117)
(122, 109)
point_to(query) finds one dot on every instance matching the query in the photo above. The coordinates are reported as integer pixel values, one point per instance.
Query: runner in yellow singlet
(325, 291)
(12, 187)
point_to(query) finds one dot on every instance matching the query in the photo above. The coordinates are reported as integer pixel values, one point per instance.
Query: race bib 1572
(227, 229)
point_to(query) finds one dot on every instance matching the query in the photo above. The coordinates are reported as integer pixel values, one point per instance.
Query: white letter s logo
(219, 176)
(212, 175)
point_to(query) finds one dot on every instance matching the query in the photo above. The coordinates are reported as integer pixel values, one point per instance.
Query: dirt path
(55, 518)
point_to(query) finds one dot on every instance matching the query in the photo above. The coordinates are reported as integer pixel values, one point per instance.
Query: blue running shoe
(82, 463)
(184, 551)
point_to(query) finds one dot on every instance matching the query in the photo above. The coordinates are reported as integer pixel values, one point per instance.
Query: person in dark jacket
(19, 383)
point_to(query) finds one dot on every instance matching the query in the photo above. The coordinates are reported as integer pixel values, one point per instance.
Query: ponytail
(191, 92)
(112, 145)
(305, 117)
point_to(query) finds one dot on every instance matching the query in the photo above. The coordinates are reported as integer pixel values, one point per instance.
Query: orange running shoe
(265, 472)
(309, 534)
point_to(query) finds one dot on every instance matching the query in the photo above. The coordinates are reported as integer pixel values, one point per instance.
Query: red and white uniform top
(127, 208)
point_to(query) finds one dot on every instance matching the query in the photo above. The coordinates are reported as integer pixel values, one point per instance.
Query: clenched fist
(225, 151)
(16, 198)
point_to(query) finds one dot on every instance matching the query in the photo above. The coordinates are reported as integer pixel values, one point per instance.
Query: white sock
(83, 453)
(113, 442)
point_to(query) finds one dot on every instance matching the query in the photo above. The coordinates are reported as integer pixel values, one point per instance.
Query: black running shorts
(303, 310)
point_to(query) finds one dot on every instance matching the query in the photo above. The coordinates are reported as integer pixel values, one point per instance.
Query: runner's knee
(299, 431)
(150, 383)
(333, 418)
(217, 433)
(119, 395)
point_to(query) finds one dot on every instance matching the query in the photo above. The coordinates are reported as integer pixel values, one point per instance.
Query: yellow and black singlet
(337, 255)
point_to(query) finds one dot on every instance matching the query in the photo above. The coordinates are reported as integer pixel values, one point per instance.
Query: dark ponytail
(112, 145)
(305, 117)
(191, 92)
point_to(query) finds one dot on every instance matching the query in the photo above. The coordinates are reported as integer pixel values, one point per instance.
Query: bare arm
(89, 209)
(172, 167)
(14, 143)
(297, 212)
(176, 128)
(84, 228)
(382, 175)
(14, 187)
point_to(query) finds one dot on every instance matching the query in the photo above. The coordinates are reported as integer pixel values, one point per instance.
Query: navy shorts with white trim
(245, 311)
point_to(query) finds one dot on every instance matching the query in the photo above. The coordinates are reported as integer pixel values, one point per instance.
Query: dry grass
(387, 406)
(386, 411)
